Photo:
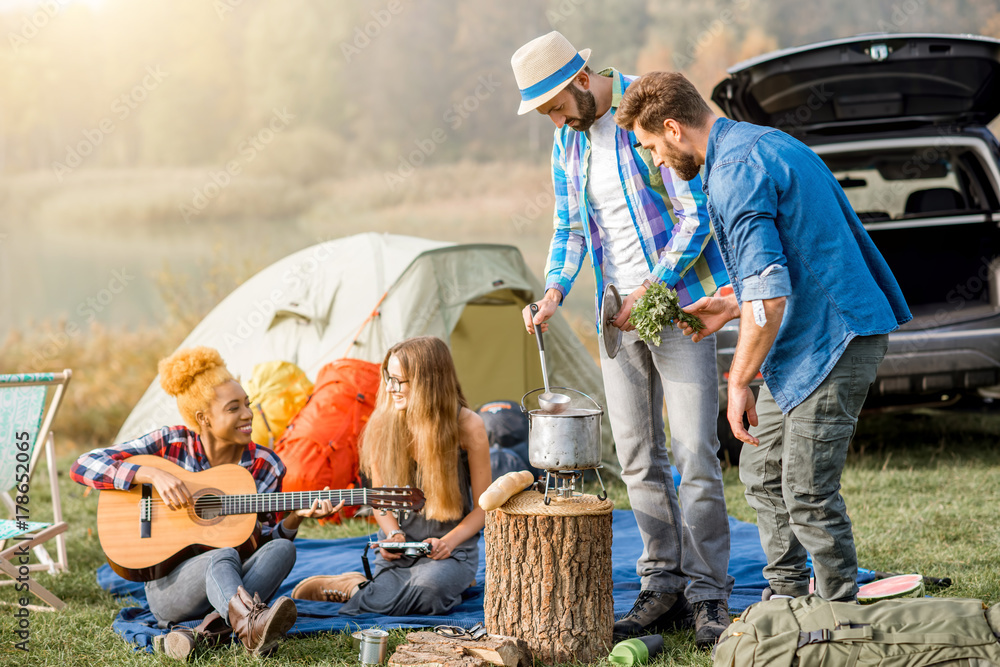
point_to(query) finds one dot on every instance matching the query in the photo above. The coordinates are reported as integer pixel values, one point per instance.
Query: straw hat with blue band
(543, 67)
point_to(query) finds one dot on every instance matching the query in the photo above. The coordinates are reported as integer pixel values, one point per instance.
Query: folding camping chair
(24, 422)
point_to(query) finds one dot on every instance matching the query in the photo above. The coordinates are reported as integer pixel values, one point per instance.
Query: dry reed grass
(111, 370)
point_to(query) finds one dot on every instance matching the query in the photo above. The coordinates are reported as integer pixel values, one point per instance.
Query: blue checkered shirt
(669, 215)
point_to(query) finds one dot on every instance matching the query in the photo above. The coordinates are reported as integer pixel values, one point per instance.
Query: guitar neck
(263, 503)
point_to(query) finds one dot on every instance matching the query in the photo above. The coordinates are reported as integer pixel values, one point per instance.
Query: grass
(923, 490)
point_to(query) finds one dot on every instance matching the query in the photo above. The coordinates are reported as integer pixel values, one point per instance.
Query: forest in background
(156, 153)
(360, 84)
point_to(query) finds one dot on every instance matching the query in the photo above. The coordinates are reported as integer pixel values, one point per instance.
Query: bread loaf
(503, 488)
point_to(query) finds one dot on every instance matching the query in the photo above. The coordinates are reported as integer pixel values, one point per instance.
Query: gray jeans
(209, 580)
(685, 544)
(418, 585)
(793, 477)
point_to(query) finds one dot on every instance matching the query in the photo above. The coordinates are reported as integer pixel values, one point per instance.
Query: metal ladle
(548, 402)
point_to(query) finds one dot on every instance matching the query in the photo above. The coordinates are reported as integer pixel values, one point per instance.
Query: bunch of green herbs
(656, 309)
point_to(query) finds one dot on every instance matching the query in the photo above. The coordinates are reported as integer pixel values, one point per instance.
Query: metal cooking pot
(569, 440)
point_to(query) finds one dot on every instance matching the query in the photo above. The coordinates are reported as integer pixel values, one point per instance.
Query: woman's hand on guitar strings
(320, 508)
(170, 489)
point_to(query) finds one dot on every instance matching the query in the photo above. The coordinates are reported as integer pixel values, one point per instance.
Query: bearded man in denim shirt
(816, 301)
(640, 224)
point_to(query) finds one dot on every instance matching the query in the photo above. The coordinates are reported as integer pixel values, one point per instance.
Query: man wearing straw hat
(640, 225)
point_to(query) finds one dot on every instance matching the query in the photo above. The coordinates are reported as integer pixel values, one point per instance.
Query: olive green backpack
(810, 631)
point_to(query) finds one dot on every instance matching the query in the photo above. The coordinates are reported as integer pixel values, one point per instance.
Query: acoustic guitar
(144, 539)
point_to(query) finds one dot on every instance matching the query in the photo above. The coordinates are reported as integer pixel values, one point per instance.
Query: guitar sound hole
(208, 508)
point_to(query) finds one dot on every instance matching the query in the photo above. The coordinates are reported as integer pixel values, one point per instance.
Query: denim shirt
(786, 229)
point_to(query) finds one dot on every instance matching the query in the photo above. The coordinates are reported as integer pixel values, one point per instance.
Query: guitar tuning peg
(384, 511)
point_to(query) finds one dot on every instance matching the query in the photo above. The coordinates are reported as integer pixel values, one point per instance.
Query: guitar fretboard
(257, 503)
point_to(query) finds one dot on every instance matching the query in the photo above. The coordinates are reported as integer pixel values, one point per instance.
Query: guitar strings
(353, 496)
(250, 500)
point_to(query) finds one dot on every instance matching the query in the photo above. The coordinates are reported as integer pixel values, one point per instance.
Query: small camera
(406, 548)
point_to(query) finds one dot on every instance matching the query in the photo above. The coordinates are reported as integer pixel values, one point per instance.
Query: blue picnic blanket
(137, 625)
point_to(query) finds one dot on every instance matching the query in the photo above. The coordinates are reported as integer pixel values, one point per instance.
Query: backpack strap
(938, 638)
(840, 633)
(864, 633)
(852, 659)
(824, 635)
(856, 632)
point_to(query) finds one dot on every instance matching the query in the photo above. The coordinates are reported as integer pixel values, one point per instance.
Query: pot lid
(611, 303)
(867, 83)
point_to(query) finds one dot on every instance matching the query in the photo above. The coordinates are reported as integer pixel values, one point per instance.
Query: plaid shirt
(669, 215)
(108, 468)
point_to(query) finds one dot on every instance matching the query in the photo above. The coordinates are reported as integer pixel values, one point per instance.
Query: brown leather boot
(180, 642)
(258, 626)
(329, 587)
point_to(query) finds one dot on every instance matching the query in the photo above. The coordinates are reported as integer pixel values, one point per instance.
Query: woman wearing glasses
(422, 433)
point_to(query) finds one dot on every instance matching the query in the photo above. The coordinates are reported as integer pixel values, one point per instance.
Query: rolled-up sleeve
(772, 283)
(750, 210)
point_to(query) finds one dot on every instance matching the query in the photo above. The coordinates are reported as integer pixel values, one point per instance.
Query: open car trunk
(867, 83)
(944, 271)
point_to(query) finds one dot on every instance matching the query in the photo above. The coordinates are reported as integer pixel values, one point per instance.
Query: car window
(904, 183)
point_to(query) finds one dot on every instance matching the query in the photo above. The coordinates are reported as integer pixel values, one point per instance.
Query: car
(901, 120)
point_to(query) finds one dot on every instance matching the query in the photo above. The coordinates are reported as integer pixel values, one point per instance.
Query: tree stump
(548, 576)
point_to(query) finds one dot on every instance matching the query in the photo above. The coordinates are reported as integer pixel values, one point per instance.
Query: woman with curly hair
(422, 433)
(218, 421)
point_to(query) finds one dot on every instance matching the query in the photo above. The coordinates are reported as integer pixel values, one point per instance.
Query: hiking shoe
(179, 643)
(329, 587)
(711, 618)
(260, 626)
(654, 611)
(182, 640)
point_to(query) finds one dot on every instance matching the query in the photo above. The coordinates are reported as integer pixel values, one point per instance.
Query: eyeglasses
(393, 385)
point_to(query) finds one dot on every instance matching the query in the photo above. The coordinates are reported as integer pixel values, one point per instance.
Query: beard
(683, 164)
(586, 106)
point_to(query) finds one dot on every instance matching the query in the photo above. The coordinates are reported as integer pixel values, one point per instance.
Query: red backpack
(320, 446)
